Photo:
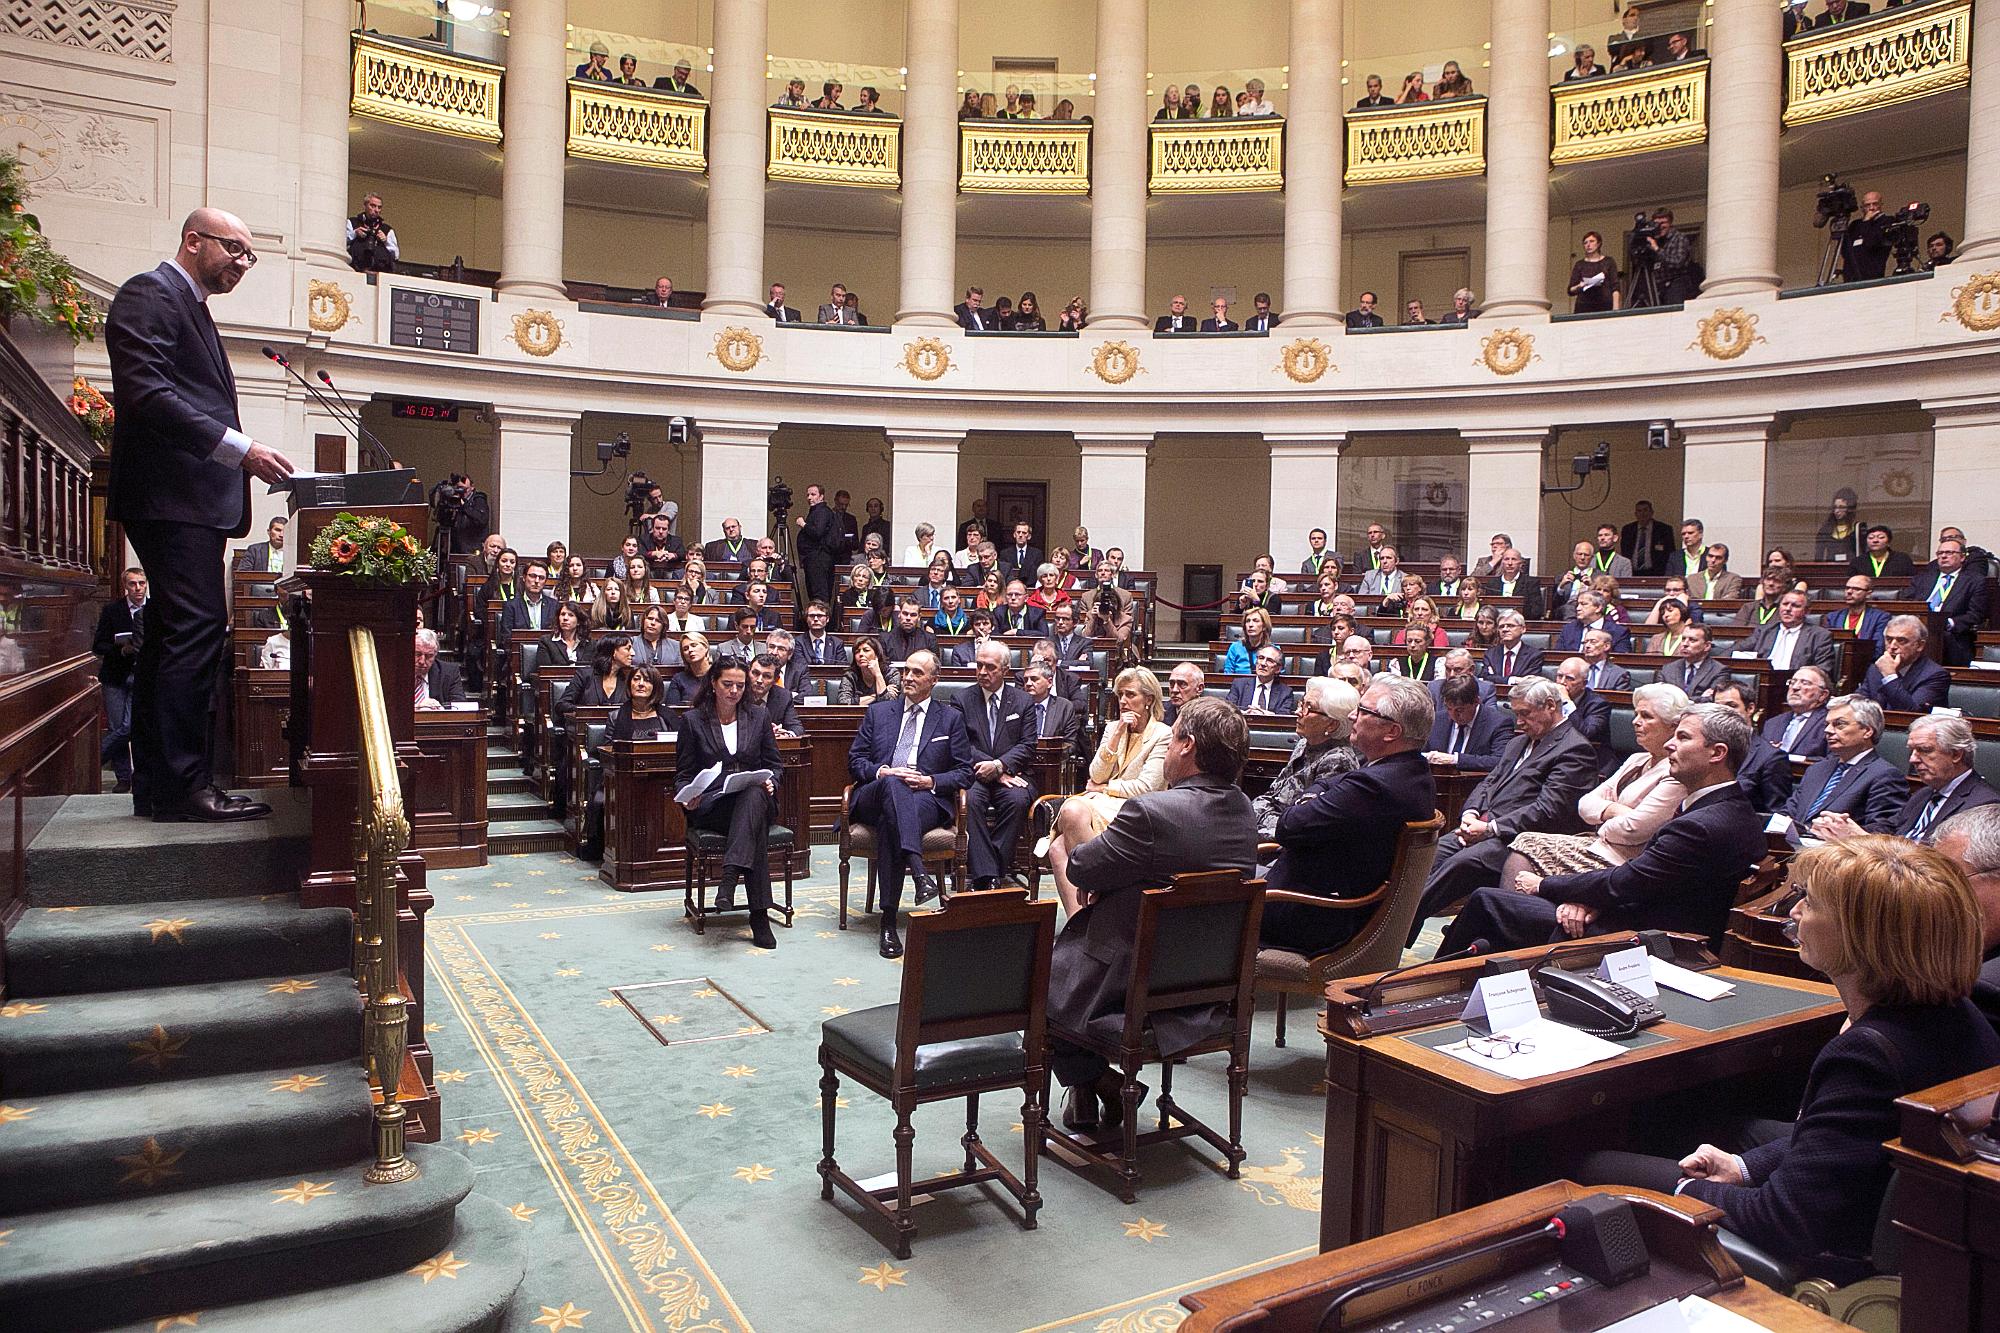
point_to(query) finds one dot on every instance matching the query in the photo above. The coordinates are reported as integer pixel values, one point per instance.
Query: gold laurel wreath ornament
(538, 332)
(926, 358)
(1305, 360)
(329, 309)
(1507, 351)
(738, 349)
(1115, 362)
(1727, 334)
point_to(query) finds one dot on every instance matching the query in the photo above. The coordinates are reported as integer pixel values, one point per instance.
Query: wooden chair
(971, 1020)
(1196, 946)
(704, 850)
(944, 852)
(1376, 947)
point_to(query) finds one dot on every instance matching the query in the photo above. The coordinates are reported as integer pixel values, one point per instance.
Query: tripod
(1829, 259)
(1642, 264)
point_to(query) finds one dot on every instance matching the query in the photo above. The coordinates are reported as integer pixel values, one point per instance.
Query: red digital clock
(422, 409)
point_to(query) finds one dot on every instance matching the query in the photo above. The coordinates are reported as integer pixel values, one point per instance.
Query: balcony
(1665, 106)
(1907, 52)
(1024, 157)
(609, 122)
(1217, 156)
(415, 83)
(836, 148)
(1422, 141)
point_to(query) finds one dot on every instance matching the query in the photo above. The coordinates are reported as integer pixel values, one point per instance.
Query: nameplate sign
(1630, 968)
(1503, 1002)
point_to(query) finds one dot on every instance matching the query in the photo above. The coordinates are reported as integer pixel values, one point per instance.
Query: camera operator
(1938, 250)
(371, 241)
(462, 513)
(1671, 256)
(1867, 247)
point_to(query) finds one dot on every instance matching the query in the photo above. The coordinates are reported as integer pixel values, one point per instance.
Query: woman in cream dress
(1131, 760)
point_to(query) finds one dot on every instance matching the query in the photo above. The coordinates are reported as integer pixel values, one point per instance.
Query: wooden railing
(1664, 106)
(415, 83)
(836, 148)
(614, 123)
(1217, 156)
(1024, 156)
(1907, 52)
(1421, 141)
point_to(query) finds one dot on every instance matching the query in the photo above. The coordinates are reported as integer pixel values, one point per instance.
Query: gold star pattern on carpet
(833, 1010)
(503, 883)
(302, 1193)
(553, 893)
(466, 898)
(882, 1276)
(568, 1316)
(451, 1076)
(9, 1114)
(846, 981)
(754, 1173)
(520, 906)
(707, 993)
(442, 1265)
(551, 935)
(192, 1319)
(610, 1004)
(715, 1110)
(433, 1027)
(569, 971)
(298, 1083)
(663, 948)
(827, 934)
(170, 927)
(150, 1165)
(668, 1019)
(740, 1071)
(21, 1009)
(290, 986)
(520, 1212)
(481, 1135)
(1144, 1230)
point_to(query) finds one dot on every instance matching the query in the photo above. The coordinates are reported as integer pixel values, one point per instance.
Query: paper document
(1675, 977)
(703, 782)
(1533, 1049)
(1594, 280)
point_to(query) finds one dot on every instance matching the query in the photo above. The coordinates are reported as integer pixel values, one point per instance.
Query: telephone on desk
(1601, 1008)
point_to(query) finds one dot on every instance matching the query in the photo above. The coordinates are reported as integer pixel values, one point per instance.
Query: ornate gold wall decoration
(1115, 362)
(1023, 157)
(835, 148)
(1421, 141)
(1664, 106)
(538, 332)
(329, 308)
(1305, 360)
(926, 358)
(1976, 303)
(1853, 67)
(1727, 334)
(1217, 156)
(738, 349)
(1507, 351)
(614, 123)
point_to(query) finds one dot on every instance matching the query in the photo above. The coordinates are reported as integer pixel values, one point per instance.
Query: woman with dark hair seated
(638, 719)
(866, 680)
(602, 684)
(722, 727)
(1895, 927)
(567, 642)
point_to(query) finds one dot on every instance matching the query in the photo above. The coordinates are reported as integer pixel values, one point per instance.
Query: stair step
(90, 851)
(511, 807)
(141, 945)
(525, 835)
(98, 1266)
(506, 782)
(475, 1277)
(69, 1043)
(131, 1144)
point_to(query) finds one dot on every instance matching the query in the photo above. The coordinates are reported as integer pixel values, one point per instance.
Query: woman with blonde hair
(1614, 599)
(696, 663)
(1626, 809)
(926, 549)
(1130, 761)
(1242, 654)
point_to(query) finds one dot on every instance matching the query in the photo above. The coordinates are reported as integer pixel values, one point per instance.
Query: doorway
(1010, 502)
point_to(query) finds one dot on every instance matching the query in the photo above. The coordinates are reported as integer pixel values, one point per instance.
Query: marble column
(735, 478)
(1746, 93)
(923, 484)
(531, 462)
(1113, 500)
(1723, 482)
(1313, 129)
(930, 165)
(1118, 164)
(534, 110)
(1982, 145)
(1965, 440)
(1504, 485)
(324, 83)
(736, 126)
(1517, 163)
(1305, 491)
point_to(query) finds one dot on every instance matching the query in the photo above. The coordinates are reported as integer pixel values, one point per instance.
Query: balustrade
(1665, 106)
(413, 83)
(1421, 141)
(1876, 62)
(610, 122)
(1217, 156)
(1023, 157)
(836, 148)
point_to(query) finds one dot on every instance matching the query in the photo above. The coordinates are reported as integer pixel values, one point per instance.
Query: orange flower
(382, 546)
(344, 550)
(409, 543)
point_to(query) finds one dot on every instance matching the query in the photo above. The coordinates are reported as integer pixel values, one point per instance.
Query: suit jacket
(1610, 676)
(446, 687)
(1685, 879)
(1811, 741)
(1480, 748)
(837, 314)
(1527, 662)
(1261, 323)
(1569, 640)
(717, 552)
(943, 749)
(1076, 648)
(832, 652)
(986, 319)
(698, 744)
(1060, 718)
(1697, 681)
(1918, 688)
(1244, 688)
(781, 706)
(1815, 646)
(1541, 794)
(1201, 823)
(666, 83)
(1487, 694)
(1728, 586)
(1964, 609)
(782, 314)
(1592, 719)
(1013, 744)
(1872, 796)
(1528, 588)
(1027, 620)
(552, 651)
(1339, 840)
(1174, 324)
(1971, 791)
(1020, 562)
(1873, 622)
(897, 646)
(1766, 778)
(1363, 319)
(1648, 550)
(255, 558)
(514, 616)
(1855, 9)
(1220, 326)
(176, 397)
(114, 668)
(1375, 583)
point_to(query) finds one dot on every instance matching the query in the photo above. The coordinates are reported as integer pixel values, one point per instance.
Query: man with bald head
(180, 484)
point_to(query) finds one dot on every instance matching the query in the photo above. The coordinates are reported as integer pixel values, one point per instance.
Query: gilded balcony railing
(1217, 156)
(1024, 156)
(1421, 141)
(836, 148)
(414, 83)
(1664, 106)
(1907, 52)
(613, 123)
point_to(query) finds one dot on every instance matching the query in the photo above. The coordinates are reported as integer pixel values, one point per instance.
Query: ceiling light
(1557, 49)
(467, 10)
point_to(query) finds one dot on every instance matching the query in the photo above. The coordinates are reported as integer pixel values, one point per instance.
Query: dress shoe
(892, 944)
(229, 798)
(1110, 1092)
(760, 931)
(725, 892)
(925, 886)
(121, 787)
(1080, 1110)
(202, 807)
(985, 882)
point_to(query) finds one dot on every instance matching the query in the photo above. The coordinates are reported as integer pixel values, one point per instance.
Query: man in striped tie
(1942, 750)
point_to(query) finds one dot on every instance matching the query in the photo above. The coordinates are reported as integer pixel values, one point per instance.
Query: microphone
(383, 459)
(340, 417)
(1373, 992)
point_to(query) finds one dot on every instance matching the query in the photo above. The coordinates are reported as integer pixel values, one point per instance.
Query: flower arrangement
(89, 407)
(36, 282)
(372, 548)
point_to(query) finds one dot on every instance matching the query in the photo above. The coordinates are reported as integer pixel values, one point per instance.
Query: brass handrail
(381, 832)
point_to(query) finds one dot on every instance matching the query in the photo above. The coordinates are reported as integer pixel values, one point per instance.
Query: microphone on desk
(1373, 991)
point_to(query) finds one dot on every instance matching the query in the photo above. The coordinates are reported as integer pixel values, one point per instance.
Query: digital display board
(433, 321)
(422, 409)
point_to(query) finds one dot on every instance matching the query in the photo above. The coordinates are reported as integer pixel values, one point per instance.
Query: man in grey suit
(1534, 788)
(1693, 671)
(1053, 714)
(1801, 728)
(1201, 821)
(1852, 789)
(1790, 640)
(835, 310)
(268, 556)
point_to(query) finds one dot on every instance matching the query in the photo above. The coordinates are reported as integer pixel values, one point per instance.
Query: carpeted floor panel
(87, 852)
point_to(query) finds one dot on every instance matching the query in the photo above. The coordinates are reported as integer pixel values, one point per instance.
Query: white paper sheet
(1675, 977)
(1553, 1048)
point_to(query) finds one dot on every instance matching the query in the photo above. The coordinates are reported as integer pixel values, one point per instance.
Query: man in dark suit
(1856, 616)
(1790, 640)
(1882, 562)
(267, 556)
(1646, 542)
(180, 483)
(1534, 787)
(1200, 821)
(1510, 659)
(1364, 315)
(732, 547)
(1177, 319)
(1599, 671)
(1589, 712)
(1852, 787)
(1469, 733)
(1801, 728)
(822, 544)
(1014, 615)
(1262, 319)
(1685, 879)
(677, 83)
(762, 688)
(1590, 615)
(973, 317)
(1021, 558)
(1513, 580)
(777, 309)
(794, 671)
(1959, 594)
(1693, 671)
(534, 611)
(1072, 644)
(1841, 11)
(908, 636)
(909, 760)
(1972, 839)
(1766, 775)
(438, 682)
(1904, 678)
(1942, 750)
(114, 672)
(1220, 322)
(999, 724)
(1049, 713)
(1262, 691)
(818, 647)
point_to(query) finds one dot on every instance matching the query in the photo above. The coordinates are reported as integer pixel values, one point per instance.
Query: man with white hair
(1256, 106)
(1186, 681)
(1511, 658)
(1000, 725)
(1972, 838)
(1904, 678)
(1358, 650)
(438, 683)
(1942, 750)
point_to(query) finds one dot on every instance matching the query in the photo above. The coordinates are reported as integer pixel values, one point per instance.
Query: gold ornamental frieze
(1304, 360)
(610, 122)
(1217, 156)
(1115, 362)
(1023, 157)
(1727, 334)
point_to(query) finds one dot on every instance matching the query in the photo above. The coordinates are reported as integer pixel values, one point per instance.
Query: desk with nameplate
(645, 829)
(448, 787)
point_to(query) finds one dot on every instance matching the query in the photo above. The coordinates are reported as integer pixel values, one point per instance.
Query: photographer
(371, 241)
(1668, 253)
(1866, 249)
(461, 513)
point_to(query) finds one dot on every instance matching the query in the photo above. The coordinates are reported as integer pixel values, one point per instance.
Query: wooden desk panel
(645, 829)
(1947, 1210)
(448, 782)
(263, 713)
(831, 731)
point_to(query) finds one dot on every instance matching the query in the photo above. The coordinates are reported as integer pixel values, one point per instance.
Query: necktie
(1263, 699)
(906, 742)
(1042, 718)
(1825, 796)
(1942, 591)
(1594, 674)
(1457, 738)
(992, 720)
(1508, 672)
(423, 688)
(1791, 740)
(1923, 824)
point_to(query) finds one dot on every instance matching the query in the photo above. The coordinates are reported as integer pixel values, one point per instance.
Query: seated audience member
(1074, 316)
(818, 646)
(1325, 713)
(999, 726)
(1219, 321)
(908, 634)
(1420, 632)
(1051, 714)
(1458, 662)
(609, 611)
(567, 642)
(1762, 606)
(661, 547)
(1587, 710)
(677, 82)
(1107, 608)
(1956, 592)
(653, 645)
(1972, 839)
(1671, 614)
(1575, 579)
(1413, 314)
(1015, 616)
(1513, 580)
(732, 546)
(1856, 616)
(1200, 821)
(1221, 105)
(639, 718)
(533, 611)
(1413, 89)
(829, 100)
(1470, 730)
(793, 670)
(1485, 632)
(1851, 789)
(1801, 728)
(1382, 578)
(869, 103)
(1186, 681)
(966, 653)
(1339, 839)
(1716, 580)
(1262, 691)
(1904, 678)
(680, 614)
(1066, 684)
(600, 684)
(1766, 775)
(1170, 103)
(1584, 65)
(1356, 650)
(1841, 11)
(1685, 878)
(1048, 593)
(1375, 97)
(1003, 309)
(593, 67)
(926, 549)
(1591, 614)
(1535, 787)
(1791, 640)
(698, 662)
(1252, 102)
(776, 308)
(1262, 319)
(1364, 315)
(777, 701)
(1897, 930)
(867, 677)
(1510, 659)
(1599, 671)
(1942, 750)
(1882, 561)
(1451, 580)
(1693, 671)
(1177, 319)
(795, 99)
(745, 643)
(861, 594)
(1072, 645)
(1241, 657)
(1489, 564)
(1461, 311)
(1451, 83)
(1130, 760)
(951, 616)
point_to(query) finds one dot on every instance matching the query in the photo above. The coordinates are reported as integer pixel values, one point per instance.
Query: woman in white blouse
(918, 556)
(1626, 808)
(682, 620)
(1131, 760)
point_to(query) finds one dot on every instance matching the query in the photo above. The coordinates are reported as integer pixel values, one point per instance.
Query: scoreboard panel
(433, 321)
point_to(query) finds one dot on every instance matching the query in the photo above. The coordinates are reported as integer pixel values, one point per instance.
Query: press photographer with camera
(462, 513)
(663, 550)
(1661, 261)
(371, 241)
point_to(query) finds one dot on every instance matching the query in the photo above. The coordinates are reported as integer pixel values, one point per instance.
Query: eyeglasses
(1498, 1048)
(1365, 711)
(235, 249)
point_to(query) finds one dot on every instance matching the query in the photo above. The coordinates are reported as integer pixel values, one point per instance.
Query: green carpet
(660, 1145)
